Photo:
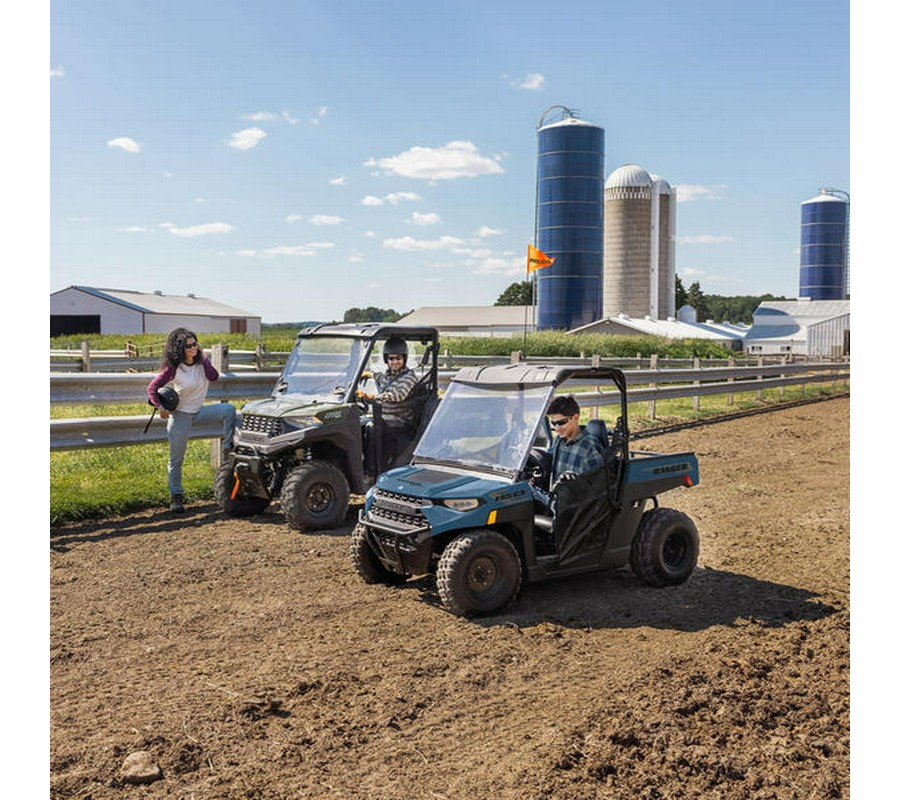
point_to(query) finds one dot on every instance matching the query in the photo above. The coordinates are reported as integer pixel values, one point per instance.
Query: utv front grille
(267, 426)
(397, 512)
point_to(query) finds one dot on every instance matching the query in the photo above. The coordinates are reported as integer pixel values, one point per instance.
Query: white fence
(650, 384)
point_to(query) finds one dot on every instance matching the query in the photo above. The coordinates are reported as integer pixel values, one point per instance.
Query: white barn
(86, 309)
(800, 327)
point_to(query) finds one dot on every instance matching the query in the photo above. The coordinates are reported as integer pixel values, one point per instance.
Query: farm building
(85, 309)
(670, 328)
(800, 327)
(500, 321)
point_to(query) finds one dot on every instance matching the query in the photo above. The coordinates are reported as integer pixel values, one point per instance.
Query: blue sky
(295, 159)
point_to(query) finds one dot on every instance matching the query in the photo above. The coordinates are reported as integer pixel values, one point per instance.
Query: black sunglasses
(558, 423)
(395, 358)
(192, 344)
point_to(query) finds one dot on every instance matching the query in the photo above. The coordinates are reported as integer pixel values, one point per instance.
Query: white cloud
(79, 219)
(125, 143)
(57, 72)
(260, 116)
(198, 230)
(687, 192)
(136, 229)
(484, 231)
(393, 198)
(424, 219)
(355, 259)
(458, 159)
(308, 249)
(409, 244)
(532, 82)
(326, 219)
(270, 116)
(320, 115)
(492, 265)
(291, 218)
(247, 138)
(704, 238)
(281, 250)
(341, 180)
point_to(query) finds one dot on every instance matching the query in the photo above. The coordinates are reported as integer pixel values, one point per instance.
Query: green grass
(106, 481)
(543, 343)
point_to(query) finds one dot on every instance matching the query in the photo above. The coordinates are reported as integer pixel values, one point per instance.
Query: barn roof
(160, 303)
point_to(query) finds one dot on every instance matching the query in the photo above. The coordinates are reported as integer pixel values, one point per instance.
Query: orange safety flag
(537, 260)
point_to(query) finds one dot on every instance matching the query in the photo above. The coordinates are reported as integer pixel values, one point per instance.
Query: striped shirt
(394, 389)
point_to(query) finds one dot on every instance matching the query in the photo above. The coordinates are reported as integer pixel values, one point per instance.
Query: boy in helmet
(395, 386)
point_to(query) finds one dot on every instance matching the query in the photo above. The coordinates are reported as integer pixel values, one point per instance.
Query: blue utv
(464, 509)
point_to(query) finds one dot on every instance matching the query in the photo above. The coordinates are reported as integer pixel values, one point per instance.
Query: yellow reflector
(492, 517)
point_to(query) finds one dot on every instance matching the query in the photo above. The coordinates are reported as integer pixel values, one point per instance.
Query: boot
(177, 505)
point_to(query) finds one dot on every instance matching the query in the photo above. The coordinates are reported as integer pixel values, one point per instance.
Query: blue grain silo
(824, 236)
(569, 225)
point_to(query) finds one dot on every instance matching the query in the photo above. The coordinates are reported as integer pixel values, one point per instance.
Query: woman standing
(188, 371)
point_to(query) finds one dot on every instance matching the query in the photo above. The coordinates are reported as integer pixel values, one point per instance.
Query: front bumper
(399, 533)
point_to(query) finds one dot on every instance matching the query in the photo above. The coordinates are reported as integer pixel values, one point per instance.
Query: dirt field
(251, 662)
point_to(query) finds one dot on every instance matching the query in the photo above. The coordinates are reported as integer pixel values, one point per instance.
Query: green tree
(516, 294)
(680, 293)
(736, 309)
(697, 300)
(371, 314)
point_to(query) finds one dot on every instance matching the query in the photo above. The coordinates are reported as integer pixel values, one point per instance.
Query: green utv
(464, 509)
(306, 444)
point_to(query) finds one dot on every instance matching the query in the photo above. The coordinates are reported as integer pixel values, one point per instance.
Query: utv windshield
(322, 366)
(488, 428)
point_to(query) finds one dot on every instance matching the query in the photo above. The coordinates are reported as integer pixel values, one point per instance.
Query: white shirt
(191, 383)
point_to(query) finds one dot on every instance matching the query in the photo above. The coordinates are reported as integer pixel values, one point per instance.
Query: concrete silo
(638, 245)
(569, 220)
(627, 242)
(824, 237)
(663, 203)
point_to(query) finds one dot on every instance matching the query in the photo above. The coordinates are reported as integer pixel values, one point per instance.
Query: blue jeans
(178, 429)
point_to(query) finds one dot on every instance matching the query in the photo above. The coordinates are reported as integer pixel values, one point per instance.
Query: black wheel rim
(675, 550)
(319, 498)
(482, 576)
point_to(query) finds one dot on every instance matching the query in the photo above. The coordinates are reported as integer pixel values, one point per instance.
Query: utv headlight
(462, 503)
(299, 423)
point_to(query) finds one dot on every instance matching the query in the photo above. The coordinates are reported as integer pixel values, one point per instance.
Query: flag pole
(529, 273)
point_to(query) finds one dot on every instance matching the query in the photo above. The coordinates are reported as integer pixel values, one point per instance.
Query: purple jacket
(168, 374)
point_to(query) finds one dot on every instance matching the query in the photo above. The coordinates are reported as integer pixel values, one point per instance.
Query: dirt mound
(250, 661)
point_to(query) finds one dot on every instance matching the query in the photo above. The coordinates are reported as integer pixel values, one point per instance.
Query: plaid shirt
(579, 455)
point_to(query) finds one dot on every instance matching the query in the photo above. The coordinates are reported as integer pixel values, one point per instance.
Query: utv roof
(532, 375)
(370, 330)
